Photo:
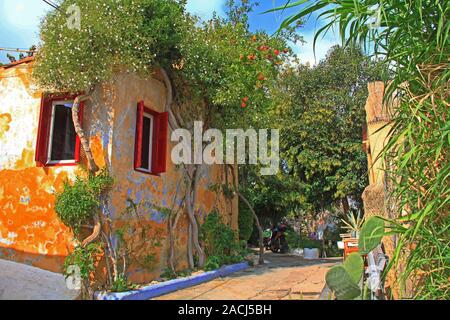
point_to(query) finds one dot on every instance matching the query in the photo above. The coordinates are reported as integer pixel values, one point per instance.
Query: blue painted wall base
(163, 288)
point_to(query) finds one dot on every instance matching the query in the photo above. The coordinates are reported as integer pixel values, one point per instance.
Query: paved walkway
(22, 282)
(285, 277)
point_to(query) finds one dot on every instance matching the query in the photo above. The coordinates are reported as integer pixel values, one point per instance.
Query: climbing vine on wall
(139, 239)
(76, 205)
(131, 36)
(220, 69)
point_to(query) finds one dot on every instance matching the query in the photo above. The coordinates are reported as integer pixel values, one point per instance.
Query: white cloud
(306, 51)
(205, 8)
(324, 42)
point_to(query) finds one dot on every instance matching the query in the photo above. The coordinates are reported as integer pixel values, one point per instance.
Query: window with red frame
(151, 140)
(57, 141)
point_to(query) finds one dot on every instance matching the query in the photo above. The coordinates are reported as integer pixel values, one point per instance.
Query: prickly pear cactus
(354, 265)
(342, 284)
(345, 281)
(371, 235)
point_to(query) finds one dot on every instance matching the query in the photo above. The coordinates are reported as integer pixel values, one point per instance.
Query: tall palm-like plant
(412, 35)
(353, 223)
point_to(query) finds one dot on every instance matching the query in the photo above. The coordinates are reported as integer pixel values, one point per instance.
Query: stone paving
(23, 282)
(284, 277)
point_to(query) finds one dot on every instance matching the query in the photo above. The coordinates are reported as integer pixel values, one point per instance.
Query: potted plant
(311, 249)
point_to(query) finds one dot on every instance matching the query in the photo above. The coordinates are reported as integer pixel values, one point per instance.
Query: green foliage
(332, 250)
(295, 241)
(99, 183)
(220, 242)
(272, 197)
(320, 112)
(77, 203)
(310, 244)
(115, 35)
(344, 280)
(354, 265)
(231, 68)
(120, 284)
(138, 239)
(353, 222)
(219, 64)
(322, 121)
(84, 258)
(420, 146)
(414, 38)
(148, 261)
(341, 283)
(169, 274)
(372, 233)
(213, 263)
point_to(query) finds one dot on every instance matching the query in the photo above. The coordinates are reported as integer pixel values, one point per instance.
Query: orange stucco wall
(159, 190)
(30, 231)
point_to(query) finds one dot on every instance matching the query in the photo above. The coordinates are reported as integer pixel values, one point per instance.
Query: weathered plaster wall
(159, 190)
(30, 231)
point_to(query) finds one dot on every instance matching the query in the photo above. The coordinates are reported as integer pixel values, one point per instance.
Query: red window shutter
(138, 141)
(160, 137)
(77, 140)
(43, 132)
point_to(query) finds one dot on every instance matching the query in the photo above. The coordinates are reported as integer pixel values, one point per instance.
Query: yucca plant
(353, 223)
(412, 37)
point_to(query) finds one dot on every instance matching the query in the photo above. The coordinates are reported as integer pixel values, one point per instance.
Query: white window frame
(50, 139)
(150, 147)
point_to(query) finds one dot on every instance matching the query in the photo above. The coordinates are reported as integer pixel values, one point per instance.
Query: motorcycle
(278, 241)
(266, 238)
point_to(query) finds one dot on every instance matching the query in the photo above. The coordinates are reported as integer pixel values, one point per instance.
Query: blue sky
(19, 23)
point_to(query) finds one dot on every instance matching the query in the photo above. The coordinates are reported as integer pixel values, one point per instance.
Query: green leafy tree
(322, 127)
(413, 36)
